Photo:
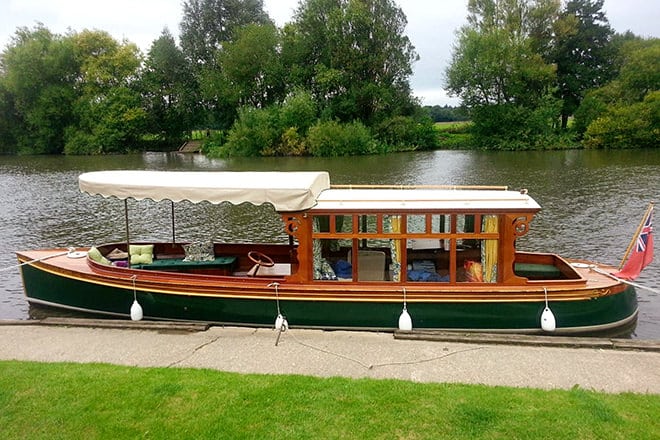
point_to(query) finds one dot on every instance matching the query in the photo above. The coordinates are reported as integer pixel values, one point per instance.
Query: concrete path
(339, 353)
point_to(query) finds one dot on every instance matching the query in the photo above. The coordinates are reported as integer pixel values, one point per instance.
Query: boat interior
(425, 261)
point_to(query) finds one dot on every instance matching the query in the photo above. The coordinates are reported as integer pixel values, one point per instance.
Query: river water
(592, 203)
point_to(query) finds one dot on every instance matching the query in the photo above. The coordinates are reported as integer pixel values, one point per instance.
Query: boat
(353, 257)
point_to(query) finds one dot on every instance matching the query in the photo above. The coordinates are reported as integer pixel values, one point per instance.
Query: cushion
(95, 255)
(473, 271)
(199, 251)
(117, 254)
(344, 269)
(141, 254)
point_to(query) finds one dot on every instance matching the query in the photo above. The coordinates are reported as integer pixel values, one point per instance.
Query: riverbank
(339, 354)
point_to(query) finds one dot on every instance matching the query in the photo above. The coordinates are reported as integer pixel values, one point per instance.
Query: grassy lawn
(74, 401)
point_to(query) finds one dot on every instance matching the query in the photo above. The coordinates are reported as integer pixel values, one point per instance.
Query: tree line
(542, 74)
(333, 81)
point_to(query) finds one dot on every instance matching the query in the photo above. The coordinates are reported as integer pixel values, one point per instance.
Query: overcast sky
(431, 25)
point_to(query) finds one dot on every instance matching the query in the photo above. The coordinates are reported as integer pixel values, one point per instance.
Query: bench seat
(537, 271)
(224, 264)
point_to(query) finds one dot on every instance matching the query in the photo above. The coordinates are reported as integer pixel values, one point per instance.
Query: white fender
(281, 323)
(136, 311)
(405, 321)
(548, 322)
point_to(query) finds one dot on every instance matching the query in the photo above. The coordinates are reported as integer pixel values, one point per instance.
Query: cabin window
(476, 258)
(489, 249)
(406, 247)
(369, 261)
(416, 224)
(343, 224)
(322, 223)
(321, 248)
(465, 223)
(427, 260)
(440, 223)
(368, 224)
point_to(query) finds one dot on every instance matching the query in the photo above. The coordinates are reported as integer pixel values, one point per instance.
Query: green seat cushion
(141, 254)
(226, 262)
(95, 255)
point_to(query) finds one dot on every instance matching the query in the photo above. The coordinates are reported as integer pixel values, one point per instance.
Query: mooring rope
(385, 364)
(36, 260)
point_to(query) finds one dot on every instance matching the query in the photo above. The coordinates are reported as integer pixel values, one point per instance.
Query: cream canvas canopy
(286, 191)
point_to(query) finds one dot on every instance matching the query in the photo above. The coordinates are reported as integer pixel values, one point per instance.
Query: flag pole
(639, 231)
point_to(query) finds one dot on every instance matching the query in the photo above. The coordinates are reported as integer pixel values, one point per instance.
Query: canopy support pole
(128, 241)
(173, 233)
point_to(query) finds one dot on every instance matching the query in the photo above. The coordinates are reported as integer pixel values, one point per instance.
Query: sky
(431, 26)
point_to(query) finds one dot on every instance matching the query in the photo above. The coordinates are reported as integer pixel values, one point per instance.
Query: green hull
(585, 316)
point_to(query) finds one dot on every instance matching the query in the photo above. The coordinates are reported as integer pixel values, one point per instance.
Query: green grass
(452, 126)
(71, 401)
(454, 135)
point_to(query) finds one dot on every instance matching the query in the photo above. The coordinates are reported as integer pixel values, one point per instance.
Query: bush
(330, 138)
(516, 127)
(627, 126)
(80, 143)
(298, 111)
(403, 133)
(292, 143)
(593, 106)
(254, 132)
(213, 143)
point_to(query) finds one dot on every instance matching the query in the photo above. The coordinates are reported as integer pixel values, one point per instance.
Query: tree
(104, 62)
(114, 124)
(168, 89)
(638, 66)
(206, 28)
(640, 72)
(8, 122)
(251, 69)
(353, 55)
(634, 125)
(445, 113)
(208, 24)
(38, 75)
(494, 61)
(582, 52)
(625, 113)
(109, 112)
(499, 75)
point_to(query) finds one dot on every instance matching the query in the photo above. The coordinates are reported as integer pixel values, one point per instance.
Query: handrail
(450, 187)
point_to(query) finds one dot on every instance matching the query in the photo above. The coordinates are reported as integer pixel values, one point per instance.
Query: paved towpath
(339, 353)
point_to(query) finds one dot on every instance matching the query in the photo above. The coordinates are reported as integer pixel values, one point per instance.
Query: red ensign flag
(642, 254)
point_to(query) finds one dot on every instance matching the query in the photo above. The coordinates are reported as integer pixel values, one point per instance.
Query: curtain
(395, 246)
(489, 250)
(322, 268)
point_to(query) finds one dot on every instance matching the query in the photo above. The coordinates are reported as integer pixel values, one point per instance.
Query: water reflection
(592, 202)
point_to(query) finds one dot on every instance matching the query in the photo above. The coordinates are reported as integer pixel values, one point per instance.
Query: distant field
(442, 126)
